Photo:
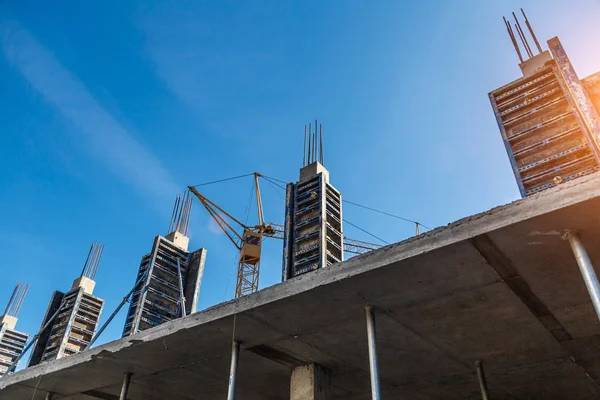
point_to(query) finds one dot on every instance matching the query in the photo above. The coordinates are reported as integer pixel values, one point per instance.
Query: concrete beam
(310, 382)
(474, 290)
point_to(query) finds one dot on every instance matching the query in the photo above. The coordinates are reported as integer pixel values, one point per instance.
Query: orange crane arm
(219, 215)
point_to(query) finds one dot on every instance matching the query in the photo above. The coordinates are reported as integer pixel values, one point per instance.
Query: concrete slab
(500, 286)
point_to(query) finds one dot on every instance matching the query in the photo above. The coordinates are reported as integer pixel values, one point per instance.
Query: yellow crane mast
(249, 243)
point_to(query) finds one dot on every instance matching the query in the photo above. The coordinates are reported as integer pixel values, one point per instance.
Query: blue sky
(108, 109)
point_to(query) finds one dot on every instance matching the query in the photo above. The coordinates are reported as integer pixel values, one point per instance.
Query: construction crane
(249, 243)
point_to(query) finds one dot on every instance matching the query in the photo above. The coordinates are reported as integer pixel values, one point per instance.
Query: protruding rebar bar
(304, 152)
(92, 261)
(87, 260)
(309, 142)
(531, 32)
(12, 297)
(315, 157)
(513, 40)
(16, 299)
(180, 218)
(174, 214)
(24, 288)
(321, 142)
(523, 37)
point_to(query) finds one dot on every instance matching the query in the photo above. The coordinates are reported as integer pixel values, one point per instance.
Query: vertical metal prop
(482, 382)
(49, 396)
(125, 387)
(108, 321)
(235, 354)
(586, 268)
(374, 369)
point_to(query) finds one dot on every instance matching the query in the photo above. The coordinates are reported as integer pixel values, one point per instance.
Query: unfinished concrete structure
(313, 233)
(168, 280)
(71, 318)
(12, 342)
(547, 118)
(502, 287)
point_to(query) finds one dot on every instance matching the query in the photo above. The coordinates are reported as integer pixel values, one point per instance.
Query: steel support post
(235, 354)
(586, 268)
(373, 366)
(49, 396)
(482, 382)
(125, 387)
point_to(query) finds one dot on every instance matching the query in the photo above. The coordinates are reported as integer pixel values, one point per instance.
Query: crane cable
(223, 180)
(276, 182)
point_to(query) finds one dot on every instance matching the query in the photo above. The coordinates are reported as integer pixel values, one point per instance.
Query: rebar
(523, 37)
(513, 40)
(531, 32)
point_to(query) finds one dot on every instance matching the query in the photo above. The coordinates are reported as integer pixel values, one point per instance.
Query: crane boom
(249, 243)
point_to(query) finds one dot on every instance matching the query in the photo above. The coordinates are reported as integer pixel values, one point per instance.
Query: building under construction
(547, 118)
(168, 280)
(313, 233)
(71, 318)
(12, 342)
(512, 290)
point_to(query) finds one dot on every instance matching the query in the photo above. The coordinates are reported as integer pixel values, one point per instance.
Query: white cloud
(105, 138)
(214, 228)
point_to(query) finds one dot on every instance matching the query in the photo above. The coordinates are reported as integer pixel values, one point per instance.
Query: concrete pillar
(309, 382)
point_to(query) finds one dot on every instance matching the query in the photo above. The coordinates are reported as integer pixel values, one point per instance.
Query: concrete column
(309, 382)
